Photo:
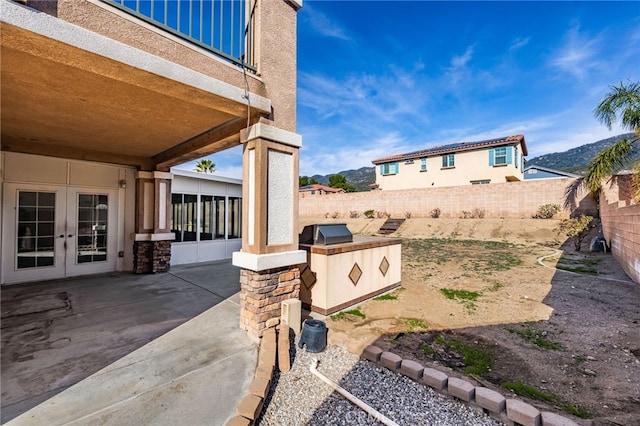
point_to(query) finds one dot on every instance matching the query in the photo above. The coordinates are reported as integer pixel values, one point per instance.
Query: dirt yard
(483, 299)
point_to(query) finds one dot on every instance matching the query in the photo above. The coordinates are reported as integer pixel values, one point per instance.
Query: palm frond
(623, 99)
(605, 163)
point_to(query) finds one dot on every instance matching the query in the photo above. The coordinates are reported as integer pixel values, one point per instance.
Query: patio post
(153, 236)
(270, 256)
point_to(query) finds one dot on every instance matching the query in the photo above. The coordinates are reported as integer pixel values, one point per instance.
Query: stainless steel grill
(326, 234)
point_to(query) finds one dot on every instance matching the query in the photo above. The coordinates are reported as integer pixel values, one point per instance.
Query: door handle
(70, 235)
(61, 236)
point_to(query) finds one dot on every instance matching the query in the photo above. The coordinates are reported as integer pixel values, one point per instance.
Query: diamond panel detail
(384, 266)
(308, 278)
(355, 274)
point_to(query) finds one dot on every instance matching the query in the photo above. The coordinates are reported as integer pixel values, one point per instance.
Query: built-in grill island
(343, 269)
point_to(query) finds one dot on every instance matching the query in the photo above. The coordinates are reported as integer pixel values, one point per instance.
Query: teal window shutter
(381, 169)
(509, 154)
(396, 168)
(491, 157)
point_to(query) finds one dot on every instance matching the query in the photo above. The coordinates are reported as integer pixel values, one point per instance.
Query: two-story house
(100, 98)
(463, 163)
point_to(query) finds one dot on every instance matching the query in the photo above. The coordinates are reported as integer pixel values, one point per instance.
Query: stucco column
(270, 253)
(153, 236)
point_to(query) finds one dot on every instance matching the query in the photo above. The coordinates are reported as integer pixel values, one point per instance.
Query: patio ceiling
(64, 101)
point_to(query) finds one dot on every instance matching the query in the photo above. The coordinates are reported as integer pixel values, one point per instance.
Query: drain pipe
(371, 411)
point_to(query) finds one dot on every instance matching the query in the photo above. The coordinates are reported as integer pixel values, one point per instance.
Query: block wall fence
(499, 200)
(621, 224)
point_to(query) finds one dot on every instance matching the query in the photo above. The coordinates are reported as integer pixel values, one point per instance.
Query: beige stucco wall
(333, 290)
(621, 225)
(469, 166)
(275, 41)
(508, 200)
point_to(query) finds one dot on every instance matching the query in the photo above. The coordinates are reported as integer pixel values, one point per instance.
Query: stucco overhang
(70, 92)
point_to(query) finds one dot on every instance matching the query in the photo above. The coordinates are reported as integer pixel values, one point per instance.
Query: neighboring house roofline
(318, 187)
(456, 147)
(548, 170)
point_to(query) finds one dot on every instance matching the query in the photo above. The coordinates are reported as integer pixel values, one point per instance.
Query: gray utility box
(326, 234)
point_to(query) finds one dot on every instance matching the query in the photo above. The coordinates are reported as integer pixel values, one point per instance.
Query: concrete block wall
(621, 225)
(500, 200)
(510, 411)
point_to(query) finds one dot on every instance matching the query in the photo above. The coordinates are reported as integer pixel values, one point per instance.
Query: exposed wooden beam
(184, 151)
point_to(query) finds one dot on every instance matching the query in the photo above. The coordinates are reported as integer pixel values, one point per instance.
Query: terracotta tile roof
(455, 147)
(318, 187)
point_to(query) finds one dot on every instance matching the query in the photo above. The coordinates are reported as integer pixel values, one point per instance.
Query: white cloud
(462, 60)
(518, 43)
(323, 25)
(577, 55)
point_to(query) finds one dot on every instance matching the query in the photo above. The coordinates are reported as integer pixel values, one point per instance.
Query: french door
(58, 231)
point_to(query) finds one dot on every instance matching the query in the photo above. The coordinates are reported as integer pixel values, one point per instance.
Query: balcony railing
(224, 27)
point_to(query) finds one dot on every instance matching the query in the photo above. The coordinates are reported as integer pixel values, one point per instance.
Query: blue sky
(377, 78)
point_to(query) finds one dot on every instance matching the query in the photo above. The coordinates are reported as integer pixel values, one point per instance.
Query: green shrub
(576, 228)
(547, 211)
(370, 214)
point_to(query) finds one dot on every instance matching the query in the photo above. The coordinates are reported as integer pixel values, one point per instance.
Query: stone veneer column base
(261, 296)
(151, 256)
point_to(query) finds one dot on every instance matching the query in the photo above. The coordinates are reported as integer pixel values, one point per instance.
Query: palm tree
(205, 166)
(623, 101)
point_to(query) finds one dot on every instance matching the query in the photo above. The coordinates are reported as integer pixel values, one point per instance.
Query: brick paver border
(507, 410)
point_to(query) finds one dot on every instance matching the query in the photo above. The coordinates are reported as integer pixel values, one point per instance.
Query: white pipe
(371, 411)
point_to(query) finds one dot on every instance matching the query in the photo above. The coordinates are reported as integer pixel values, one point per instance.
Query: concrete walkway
(138, 349)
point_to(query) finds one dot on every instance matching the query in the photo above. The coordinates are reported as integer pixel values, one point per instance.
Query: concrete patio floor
(126, 349)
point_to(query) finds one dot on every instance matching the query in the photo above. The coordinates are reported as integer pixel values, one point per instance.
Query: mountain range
(577, 159)
(574, 160)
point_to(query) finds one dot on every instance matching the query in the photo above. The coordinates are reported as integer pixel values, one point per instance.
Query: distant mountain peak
(576, 160)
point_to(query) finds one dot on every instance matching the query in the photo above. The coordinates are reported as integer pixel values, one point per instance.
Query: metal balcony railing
(224, 27)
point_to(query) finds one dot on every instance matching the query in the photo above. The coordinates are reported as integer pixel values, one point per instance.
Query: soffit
(64, 101)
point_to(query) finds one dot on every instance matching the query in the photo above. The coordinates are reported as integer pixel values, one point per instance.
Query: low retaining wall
(500, 200)
(621, 224)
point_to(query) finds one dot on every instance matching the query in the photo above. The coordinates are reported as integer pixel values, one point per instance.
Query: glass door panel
(92, 236)
(36, 229)
(92, 228)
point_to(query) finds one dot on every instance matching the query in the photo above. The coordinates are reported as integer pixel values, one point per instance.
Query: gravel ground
(300, 398)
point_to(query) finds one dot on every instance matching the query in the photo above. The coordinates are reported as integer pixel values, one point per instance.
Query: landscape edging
(507, 410)
(273, 352)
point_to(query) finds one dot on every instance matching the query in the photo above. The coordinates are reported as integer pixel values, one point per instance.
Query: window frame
(448, 161)
(208, 213)
(501, 155)
(387, 169)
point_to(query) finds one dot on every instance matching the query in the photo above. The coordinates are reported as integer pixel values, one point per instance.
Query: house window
(211, 217)
(481, 182)
(448, 161)
(183, 217)
(423, 164)
(500, 156)
(313, 192)
(234, 220)
(389, 169)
